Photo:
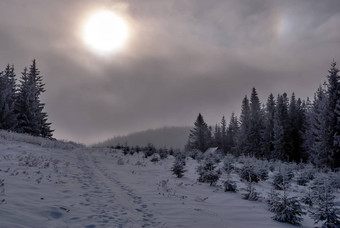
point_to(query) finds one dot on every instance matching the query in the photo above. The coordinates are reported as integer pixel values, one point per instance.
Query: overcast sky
(183, 57)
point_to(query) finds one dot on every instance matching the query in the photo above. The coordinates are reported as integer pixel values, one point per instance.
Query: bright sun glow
(105, 32)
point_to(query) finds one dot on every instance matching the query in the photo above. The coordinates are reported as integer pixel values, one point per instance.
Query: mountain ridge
(175, 137)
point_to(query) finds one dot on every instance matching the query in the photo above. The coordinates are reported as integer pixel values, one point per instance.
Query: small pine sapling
(281, 180)
(149, 150)
(228, 164)
(273, 201)
(163, 153)
(178, 167)
(287, 209)
(307, 198)
(251, 193)
(248, 173)
(262, 173)
(326, 210)
(208, 173)
(229, 185)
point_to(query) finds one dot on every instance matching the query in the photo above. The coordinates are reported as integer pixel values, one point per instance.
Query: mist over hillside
(175, 137)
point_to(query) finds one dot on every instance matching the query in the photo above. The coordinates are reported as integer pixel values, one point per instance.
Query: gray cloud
(184, 57)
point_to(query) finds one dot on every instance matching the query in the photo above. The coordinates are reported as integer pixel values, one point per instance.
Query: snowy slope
(55, 185)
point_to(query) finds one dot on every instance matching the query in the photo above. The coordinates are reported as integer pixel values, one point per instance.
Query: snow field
(97, 187)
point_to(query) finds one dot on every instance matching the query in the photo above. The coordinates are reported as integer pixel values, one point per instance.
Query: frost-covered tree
(255, 126)
(286, 209)
(208, 172)
(307, 198)
(249, 140)
(337, 134)
(31, 117)
(178, 168)
(217, 137)
(149, 150)
(325, 209)
(320, 149)
(282, 179)
(243, 141)
(231, 135)
(308, 137)
(251, 193)
(228, 166)
(268, 133)
(296, 119)
(249, 172)
(224, 134)
(333, 93)
(273, 200)
(281, 144)
(8, 117)
(324, 122)
(200, 136)
(163, 153)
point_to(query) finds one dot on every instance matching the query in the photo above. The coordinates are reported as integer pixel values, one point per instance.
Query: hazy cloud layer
(183, 57)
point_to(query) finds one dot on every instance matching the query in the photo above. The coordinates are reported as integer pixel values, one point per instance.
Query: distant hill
(175, 137)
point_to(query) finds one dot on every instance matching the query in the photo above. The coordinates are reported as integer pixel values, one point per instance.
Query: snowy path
(66, 188)
(111, 202)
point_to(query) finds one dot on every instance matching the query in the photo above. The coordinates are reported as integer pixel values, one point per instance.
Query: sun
(105, 32)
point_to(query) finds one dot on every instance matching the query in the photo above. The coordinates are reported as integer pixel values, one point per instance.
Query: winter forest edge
(287, 129)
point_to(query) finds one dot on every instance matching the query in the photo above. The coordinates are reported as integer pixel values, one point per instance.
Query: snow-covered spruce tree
(307, 198)
(256, 126)
(286, 209)
(251, 193)
(224, 135)
(324, 122)
(281, 144)
(337, 133)
(231, 134)
(228, 164)
(262, 170)
(333, 116)
(200, 136)
(308, 137)
(281, 180)
(8, 117)
(273, 200)
(295, 132)
(163, 153)
(178, 168)
(217, 140)
(248, 172)
(229, 185)
(208, 173)
(268, 133)
(306, 174)
(242, 145)
(325, 209)
(31, 118)
(149, 150)
(320, 149)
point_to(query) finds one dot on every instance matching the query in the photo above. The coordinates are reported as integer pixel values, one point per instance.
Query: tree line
(288, 129)
(21, 109)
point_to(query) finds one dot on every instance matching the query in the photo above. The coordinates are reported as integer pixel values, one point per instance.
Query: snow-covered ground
(50, 184)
